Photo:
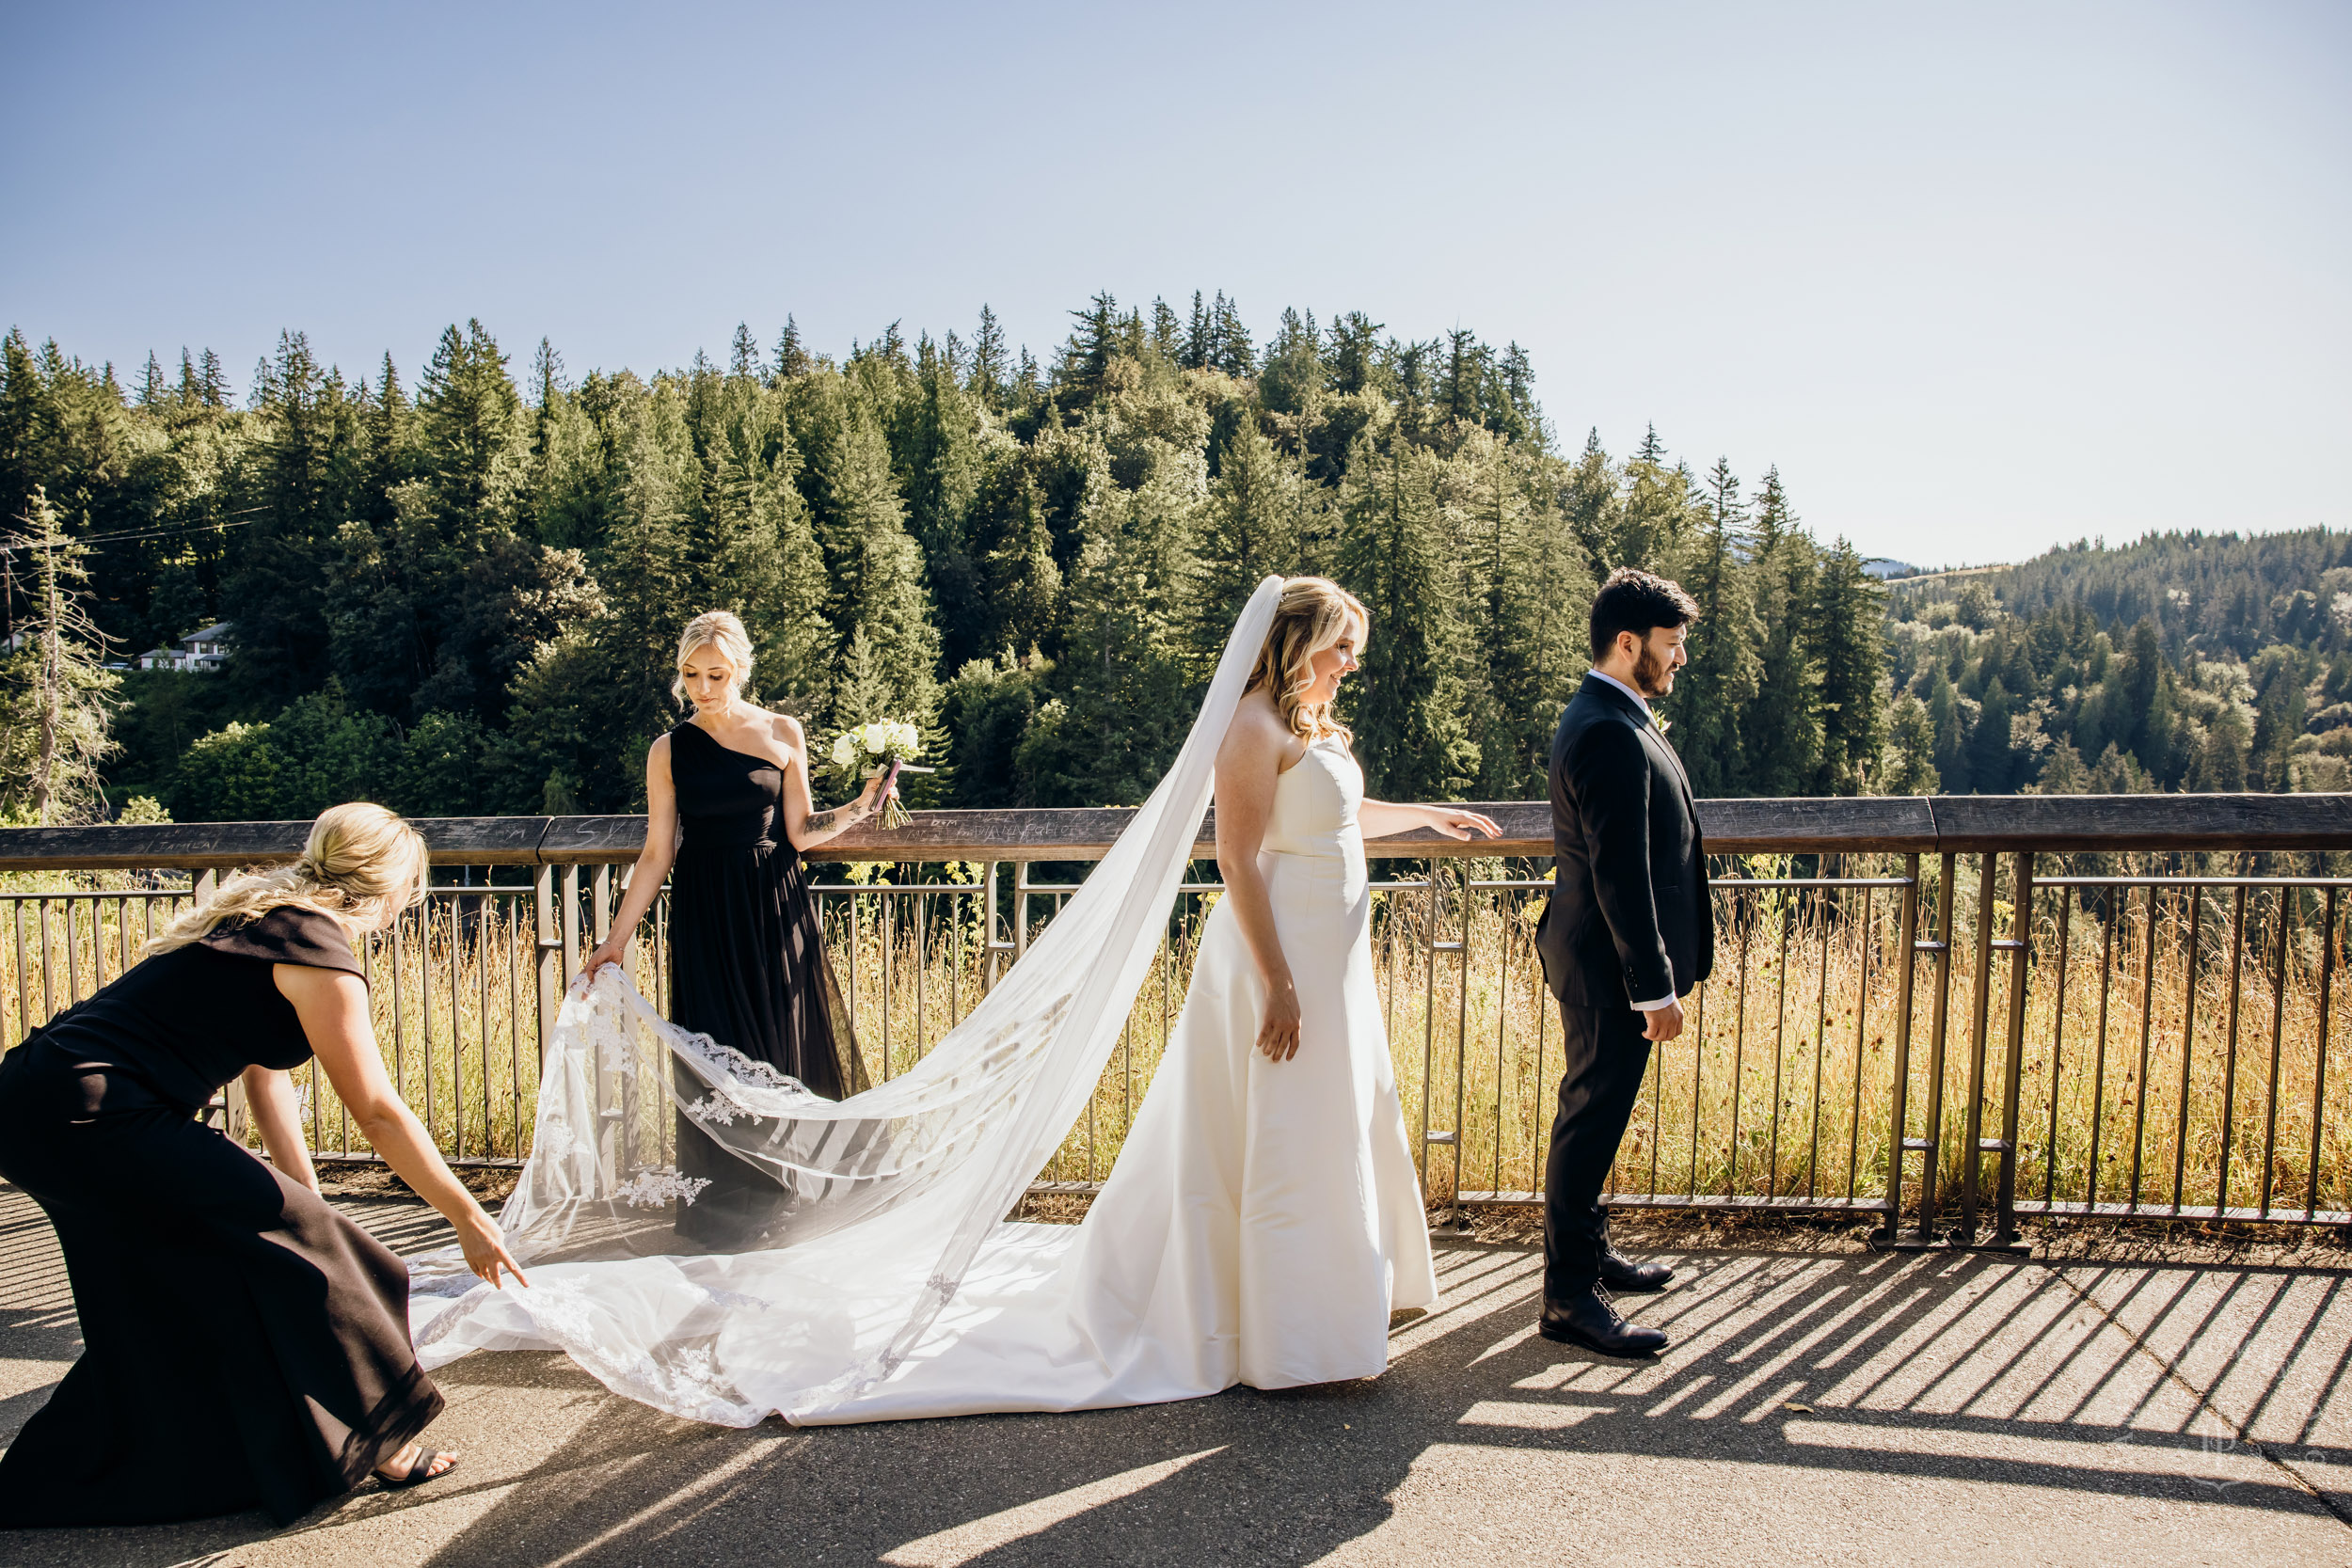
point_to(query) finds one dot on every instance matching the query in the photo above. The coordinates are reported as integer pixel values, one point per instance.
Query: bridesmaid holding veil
(728, 814)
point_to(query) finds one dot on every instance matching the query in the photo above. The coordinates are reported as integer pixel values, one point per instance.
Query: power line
(126, 535)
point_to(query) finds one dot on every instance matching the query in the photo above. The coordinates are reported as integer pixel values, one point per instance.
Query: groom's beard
(1650, 674)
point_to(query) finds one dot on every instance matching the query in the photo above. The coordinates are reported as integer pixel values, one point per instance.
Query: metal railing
(1943, 1014)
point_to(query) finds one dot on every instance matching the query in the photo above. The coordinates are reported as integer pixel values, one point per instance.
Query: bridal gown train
(1259, 1224)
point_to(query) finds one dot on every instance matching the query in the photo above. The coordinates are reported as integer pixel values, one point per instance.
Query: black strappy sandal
(420, 1470)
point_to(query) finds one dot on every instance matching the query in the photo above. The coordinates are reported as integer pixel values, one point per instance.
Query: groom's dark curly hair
(1637, 601)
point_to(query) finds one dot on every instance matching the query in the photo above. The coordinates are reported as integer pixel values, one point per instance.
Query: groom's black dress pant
(1607, 1056)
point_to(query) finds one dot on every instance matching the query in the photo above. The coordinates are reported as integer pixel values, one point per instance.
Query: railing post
(2020, 969)
(1932, 1148)
(1898, 1144)
(992, 946)
(548, 944)
(1429, 1024)
(571, 924)
(1980, 1006)
(235, 1113)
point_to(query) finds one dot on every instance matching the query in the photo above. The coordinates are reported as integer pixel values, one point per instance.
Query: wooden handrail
(1921, 823)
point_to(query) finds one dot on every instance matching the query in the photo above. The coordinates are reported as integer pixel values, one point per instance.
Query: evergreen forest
(460, 593)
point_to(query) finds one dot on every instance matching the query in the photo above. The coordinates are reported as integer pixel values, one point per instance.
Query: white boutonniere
(1659, 720)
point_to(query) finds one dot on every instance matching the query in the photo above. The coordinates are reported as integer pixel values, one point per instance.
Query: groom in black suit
(1625, 936)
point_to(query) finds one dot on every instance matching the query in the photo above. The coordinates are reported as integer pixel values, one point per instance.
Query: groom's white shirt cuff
(1653, 1006)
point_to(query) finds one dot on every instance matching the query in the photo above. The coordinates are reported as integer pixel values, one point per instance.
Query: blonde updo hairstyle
(1312, 614)
(722, 630)
(362, 865)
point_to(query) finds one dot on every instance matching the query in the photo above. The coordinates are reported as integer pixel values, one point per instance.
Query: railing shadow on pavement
(1822, 1370)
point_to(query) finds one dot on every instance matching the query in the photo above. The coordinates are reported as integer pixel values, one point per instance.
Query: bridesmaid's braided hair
(1312, 615)
(360, 861)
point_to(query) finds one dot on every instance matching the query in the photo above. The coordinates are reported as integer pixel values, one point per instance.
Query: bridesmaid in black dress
(245, 1345)
(728, 813)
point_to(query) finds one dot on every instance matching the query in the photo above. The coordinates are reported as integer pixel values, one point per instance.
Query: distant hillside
(2226, 592)
(2182, 661)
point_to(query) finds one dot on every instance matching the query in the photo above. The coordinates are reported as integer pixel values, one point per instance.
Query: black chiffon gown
(747, 966)
(245, 1345)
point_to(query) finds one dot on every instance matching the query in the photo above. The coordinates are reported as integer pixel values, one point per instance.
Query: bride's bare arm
(1380, 818)
(1247, 766)
(653, 861)
(804, 824)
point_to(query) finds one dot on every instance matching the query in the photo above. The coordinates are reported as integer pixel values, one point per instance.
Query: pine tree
(211, 381)
(1292, 376)
(1123, 696)
(1849, 610)
(1528, 640)
(1948, 721)
(1992, 760)
(1249, 529)
(989, 367)
(743, 356)
(1407, 703)
(469, 434)
(1784, 735)
(792, 358)
(1231, 351)
(1199, 337)
(1711, 696)
(878, 576)
(1908, 761)
(1025, 581)
(1595, 515)
(59, 692)
(1352, 362)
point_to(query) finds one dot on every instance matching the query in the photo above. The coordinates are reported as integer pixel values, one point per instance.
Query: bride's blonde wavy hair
(1312, 614)
(361, 864)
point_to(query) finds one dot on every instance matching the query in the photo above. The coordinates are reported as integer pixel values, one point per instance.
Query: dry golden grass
(1781, 1088)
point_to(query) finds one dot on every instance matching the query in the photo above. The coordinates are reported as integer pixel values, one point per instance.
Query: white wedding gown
(1263, 1219)
(1259, 1227)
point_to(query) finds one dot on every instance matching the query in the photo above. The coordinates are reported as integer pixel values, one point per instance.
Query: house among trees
(204, 650)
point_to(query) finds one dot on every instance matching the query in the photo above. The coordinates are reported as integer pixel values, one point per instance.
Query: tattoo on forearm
(820, 821)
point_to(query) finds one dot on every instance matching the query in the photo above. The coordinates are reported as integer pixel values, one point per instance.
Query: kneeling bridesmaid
(245, 1345)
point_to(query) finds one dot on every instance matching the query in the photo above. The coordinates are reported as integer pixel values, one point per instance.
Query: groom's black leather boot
(1620, 1272)
(1585, 1318)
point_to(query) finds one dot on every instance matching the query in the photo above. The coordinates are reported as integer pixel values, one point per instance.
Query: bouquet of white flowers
(887, 744)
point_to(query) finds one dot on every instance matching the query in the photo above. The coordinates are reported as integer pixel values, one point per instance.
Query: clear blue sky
(1978, 278)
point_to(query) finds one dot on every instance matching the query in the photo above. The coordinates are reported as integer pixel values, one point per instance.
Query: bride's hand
(1456, 823)
(1278, 1032)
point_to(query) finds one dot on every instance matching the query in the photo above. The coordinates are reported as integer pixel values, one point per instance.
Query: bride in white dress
(1261, 1222)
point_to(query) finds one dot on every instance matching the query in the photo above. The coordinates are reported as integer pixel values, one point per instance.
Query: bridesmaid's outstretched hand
(485, 1246)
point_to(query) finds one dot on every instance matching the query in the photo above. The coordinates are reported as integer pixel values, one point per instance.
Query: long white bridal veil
(876, 1207)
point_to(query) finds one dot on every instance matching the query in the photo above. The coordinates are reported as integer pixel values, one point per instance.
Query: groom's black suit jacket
(1628, 918)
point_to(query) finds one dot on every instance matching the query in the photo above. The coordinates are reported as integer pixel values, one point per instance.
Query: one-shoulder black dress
(747, 966)
(244, 1345)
